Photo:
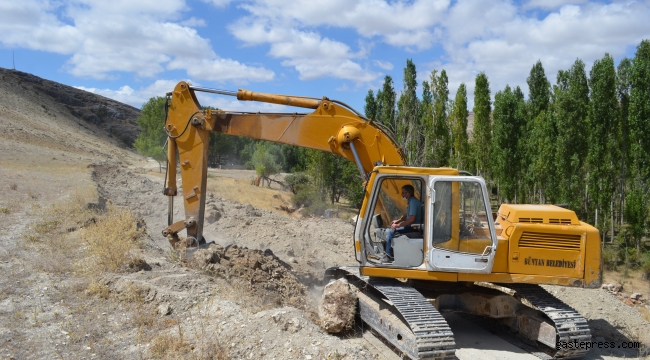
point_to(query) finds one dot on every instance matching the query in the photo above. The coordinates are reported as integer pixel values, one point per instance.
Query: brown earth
(253, 294)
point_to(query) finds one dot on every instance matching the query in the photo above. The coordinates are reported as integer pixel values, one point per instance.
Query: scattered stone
(164, 309)
(615, 288)
(636, 296)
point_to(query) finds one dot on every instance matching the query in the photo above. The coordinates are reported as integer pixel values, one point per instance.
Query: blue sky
(133, 50)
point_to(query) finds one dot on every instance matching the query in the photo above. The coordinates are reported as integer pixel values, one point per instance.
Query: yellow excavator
(461, 257)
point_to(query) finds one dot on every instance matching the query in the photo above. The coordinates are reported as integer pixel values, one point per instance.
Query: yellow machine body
(534, 244)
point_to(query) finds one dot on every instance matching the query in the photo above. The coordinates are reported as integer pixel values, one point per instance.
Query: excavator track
(422, 333)
(571, 327)
(429, 335)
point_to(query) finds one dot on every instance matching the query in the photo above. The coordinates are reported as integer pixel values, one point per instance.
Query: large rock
(337, 307)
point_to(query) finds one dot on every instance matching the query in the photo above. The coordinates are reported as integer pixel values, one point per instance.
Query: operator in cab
(403, 224)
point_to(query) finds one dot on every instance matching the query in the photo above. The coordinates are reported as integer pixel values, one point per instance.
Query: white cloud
(310, 69)
(310, 54)
(218, 3)
(505, 44)
(137, 98)
(386, 65)
(104, 38)
(31, 24)
(551, 4)
(193, 22)
(288, 28)
(422, 39)
(367, 17)
(221, 70)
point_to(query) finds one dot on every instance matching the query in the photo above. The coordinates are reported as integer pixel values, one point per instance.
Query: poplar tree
(639, 116)
(539, 156)
(426, 126)
(408, 116)
(386, 104)
(639, 124)
(623, 87)
(370, 109)
(603, 112)
(482, 135)
(509, 121)
(539, 90)
(458, 120)
(441, 131)
(570, 106)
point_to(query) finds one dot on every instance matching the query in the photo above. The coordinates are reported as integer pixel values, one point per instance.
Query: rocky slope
(90, 110)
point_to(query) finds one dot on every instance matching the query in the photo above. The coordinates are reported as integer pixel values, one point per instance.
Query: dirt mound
(267, 276)
(338, 307)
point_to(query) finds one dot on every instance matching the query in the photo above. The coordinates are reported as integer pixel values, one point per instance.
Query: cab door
(462, 236)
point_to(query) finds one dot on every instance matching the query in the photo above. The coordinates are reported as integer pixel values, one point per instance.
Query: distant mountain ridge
(118, 119)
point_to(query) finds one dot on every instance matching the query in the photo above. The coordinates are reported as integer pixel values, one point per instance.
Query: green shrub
(611, 257)
(309, 198)
(316, 209)
(645, 265)
(296, 181)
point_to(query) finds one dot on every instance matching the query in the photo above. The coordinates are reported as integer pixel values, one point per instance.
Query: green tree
(426, 126)
(152, 138)
(541, 146)
(482, 136)
(294, 158)
(639, 113)
(386, 104)
(509, 122)
(602, 153)
(636, 214)
(441, 130)
(266, 160)
(325, 170)
(570, 106)
(539, 90)
(540, 174)
(408, 115)
(371, 106)
(623, 87)
(458, 120)
(353, 184)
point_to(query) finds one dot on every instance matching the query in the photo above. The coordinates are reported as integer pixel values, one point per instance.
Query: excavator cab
(457, 233)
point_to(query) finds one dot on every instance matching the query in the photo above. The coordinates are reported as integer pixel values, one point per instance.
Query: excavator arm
(332, 126)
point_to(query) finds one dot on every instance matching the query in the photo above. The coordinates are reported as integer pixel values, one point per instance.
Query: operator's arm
(410, 220)
(411, 212)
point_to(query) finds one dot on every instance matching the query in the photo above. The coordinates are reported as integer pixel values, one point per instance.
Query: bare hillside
(90, 111)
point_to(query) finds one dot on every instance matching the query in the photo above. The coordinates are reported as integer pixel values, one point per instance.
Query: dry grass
(180, 345)
(241, 191)
(98, 289)
(111, 242)
(76, 236)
